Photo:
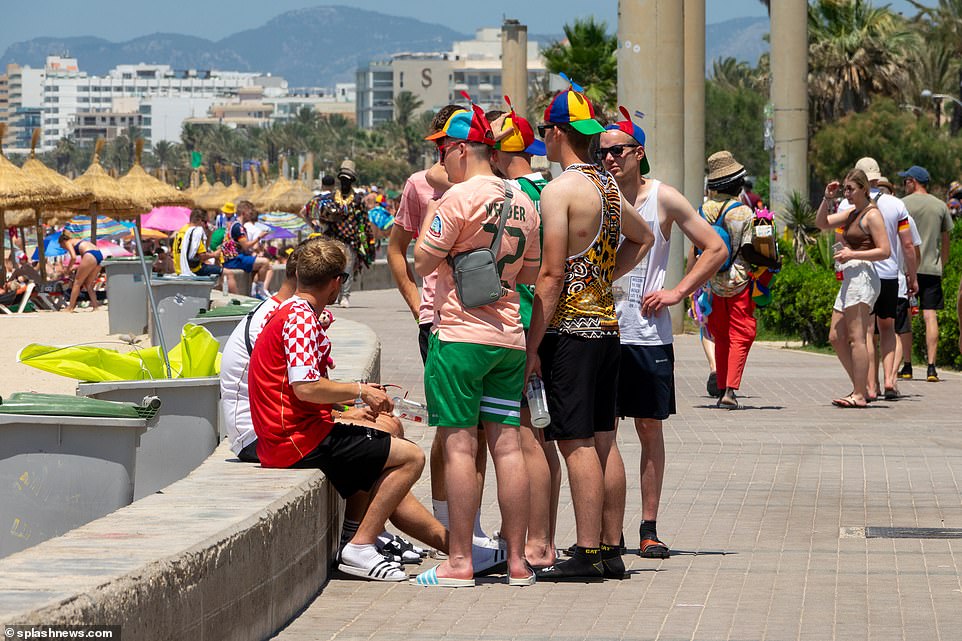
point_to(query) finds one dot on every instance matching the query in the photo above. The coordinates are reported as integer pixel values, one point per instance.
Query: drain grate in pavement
(912, 533)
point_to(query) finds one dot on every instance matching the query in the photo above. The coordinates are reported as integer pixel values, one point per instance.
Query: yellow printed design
(587, 307)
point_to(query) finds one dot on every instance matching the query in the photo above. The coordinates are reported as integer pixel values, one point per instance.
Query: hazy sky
(120, 20)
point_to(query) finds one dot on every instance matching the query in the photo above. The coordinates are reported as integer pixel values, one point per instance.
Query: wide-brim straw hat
(140, 184)
(723, 167)
(107, 195)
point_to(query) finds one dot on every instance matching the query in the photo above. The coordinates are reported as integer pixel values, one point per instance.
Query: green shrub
(802, 299)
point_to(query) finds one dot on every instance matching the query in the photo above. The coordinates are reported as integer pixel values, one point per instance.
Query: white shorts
(860, 284)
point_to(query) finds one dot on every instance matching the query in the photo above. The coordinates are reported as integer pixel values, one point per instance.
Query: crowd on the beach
(543, 319)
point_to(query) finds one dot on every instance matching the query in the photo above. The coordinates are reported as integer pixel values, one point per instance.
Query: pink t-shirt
(410, 213)
(467, 218)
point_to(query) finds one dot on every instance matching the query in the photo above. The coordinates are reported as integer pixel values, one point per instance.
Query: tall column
(514, 64)
(651, 78)
(694, 101)
(789, 93)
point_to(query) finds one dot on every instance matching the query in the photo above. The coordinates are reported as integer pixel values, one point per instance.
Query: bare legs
(848, 332)
(544, 481)
(460, 447)
(652, 439)
(931, 334)
(86, 276)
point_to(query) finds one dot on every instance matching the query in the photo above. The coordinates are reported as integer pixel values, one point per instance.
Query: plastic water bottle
(410, 410)
(537, 402)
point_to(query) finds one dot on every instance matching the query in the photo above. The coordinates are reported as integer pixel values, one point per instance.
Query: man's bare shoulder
(565, 184)
(673, 203)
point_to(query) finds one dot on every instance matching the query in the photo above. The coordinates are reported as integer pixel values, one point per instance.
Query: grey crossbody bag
(477, 278)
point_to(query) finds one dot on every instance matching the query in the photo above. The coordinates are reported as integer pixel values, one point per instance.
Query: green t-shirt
(532, 187)
(217, 238)
(931, 217)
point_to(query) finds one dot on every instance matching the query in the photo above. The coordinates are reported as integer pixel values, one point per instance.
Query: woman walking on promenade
(864, 241)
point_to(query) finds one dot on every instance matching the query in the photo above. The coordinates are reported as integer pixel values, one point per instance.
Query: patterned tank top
(586, 307)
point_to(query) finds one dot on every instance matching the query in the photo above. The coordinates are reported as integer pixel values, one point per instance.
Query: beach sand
(49, 328)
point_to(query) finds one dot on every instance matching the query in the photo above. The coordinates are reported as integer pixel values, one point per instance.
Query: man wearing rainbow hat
(573, 340)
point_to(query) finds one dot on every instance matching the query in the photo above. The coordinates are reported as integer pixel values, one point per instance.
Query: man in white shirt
(646, 384)
(193, 253)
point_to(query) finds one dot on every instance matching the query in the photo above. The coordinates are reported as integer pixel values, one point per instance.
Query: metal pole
(150, 298)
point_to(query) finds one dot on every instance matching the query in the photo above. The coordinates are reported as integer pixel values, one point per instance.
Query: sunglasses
(343, 276)
(616, 151)
(443, 149)
(543, 129)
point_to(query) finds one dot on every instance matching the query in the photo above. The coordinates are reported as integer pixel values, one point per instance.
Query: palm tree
(732, 74)
(587, 56)
(944, 23)
(800, 220)
(405, 105)
(855, 51)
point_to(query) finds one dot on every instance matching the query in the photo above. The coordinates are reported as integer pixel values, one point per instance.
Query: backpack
(229, 248)
(719, 227)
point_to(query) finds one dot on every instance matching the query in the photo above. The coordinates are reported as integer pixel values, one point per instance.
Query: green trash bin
(65, 461)
(221, 321)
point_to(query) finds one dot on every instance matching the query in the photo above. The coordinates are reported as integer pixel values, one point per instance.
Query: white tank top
(647, 276)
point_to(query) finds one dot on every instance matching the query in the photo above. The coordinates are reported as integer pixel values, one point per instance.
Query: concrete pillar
(694, 101)
(651, 78)
(514, 64)
(789, 94)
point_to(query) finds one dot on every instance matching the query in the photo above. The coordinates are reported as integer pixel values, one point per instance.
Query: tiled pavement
(762, 507)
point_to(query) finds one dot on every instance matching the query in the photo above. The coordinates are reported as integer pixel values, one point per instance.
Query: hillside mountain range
(314, 47)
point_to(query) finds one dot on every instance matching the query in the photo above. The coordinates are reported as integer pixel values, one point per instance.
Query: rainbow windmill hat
(629, 127)
(518, 136)
(572, 107)
(471, 126)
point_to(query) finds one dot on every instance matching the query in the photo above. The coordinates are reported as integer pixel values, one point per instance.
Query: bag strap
(503, 217)
(247, 329)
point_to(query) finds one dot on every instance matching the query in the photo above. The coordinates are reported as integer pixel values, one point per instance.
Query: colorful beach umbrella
(166, 218)
(278, 233)
(290, 222)
(51, 247)
(111, 249)
(106, 226)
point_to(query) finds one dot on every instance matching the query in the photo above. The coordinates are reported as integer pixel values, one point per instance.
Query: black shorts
(646, 381)
(581, 378)
(351, 456)
(930, 292)
(424, 333)
(887, 298)
(903, 319)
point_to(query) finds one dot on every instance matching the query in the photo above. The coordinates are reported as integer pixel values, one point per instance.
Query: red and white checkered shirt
(292, 348)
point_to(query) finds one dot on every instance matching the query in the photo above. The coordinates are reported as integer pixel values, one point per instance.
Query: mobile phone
(837, 247)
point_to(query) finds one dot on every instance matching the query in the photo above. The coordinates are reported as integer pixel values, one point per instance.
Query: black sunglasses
(617, 151)
(543, 129)
(343, 276)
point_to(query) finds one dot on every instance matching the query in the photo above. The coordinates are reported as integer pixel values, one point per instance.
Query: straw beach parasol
(139, 183)
(107, 195)
(292, 200)
(19, 190)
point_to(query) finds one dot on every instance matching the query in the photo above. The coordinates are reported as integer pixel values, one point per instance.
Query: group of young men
(594, 243)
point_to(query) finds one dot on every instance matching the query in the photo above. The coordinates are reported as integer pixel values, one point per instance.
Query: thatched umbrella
(274, 191)
(253, 191)
(292, 200)
(213, 199)
(19, 190)
(71, 196)
(107, 195)
(138, 182)
(233, 192)
(202, 186)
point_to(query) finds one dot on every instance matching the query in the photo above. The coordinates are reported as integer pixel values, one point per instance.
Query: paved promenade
(765, 510)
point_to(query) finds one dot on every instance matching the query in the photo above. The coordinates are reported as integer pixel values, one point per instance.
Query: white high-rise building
(67, 92)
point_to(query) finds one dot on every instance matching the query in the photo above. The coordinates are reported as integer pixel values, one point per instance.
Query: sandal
(848, 402)
(891, 394)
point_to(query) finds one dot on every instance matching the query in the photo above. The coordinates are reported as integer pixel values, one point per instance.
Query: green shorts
(463, 381)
